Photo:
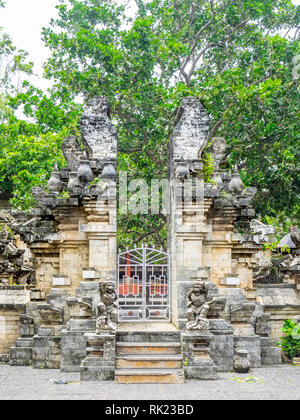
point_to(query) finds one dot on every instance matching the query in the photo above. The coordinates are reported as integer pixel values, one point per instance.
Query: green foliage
(13, 63)
(228, 54)
(273, 246)
(26, 159)
(208, 167)
(64, 195)
(290, 342)
(281, 223)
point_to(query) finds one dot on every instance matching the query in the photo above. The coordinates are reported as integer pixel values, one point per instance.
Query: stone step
(125, 348)
(24, 342)
(137, 376)
(149, 361)
(148, 337)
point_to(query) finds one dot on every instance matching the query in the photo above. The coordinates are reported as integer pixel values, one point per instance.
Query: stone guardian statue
(107, 307)
(198, 305)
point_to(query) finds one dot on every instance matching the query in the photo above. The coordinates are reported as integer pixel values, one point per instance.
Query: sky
(23, 21)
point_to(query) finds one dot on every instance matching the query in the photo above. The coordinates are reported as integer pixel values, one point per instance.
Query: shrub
(290, 342)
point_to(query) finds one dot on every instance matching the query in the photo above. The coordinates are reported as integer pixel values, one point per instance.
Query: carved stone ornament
(198, 305)
(107, 307)
(54, 184)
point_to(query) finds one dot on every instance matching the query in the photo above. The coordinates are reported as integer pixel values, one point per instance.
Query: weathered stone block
(253, 347)
(270, 353)
(196, 356)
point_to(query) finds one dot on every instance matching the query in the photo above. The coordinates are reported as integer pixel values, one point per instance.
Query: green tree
(29, 146)
(228, 53)
(235, 55)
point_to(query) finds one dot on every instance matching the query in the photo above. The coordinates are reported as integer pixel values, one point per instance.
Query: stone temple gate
(82, 307)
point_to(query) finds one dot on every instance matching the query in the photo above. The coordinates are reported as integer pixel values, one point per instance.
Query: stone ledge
(275, 285)
(13, 306)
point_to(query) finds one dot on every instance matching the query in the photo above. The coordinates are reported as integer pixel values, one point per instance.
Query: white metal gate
(143, 285)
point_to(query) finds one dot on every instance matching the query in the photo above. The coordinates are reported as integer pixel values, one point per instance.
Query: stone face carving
(107, 307)
(198, 305)
(190, 133)
(98, 134)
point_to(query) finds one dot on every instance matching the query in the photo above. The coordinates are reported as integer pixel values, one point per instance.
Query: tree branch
(215, 129)
(199, 33)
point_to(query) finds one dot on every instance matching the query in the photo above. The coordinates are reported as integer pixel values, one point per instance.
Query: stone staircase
(149, 357)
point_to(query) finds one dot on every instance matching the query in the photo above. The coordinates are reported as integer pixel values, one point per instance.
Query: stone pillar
(99, 365)
(101, 231)
(73, 247)
(73, 343)
(197, 363)
(21, 354)
(46, 344)
(187, 225)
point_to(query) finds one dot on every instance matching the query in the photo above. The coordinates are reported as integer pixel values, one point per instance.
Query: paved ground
(276, 383)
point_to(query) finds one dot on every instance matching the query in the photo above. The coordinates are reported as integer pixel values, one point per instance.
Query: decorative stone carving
(269, 270)
(236, 185)
(54, 184)
(51, 316)
(247, 196)
(241, 361)
(78, 308)
(26, 327)
(73, 181)
(98, 134)
(12, 262)
(190, 133)
(107, 307)
(182, 171)
(291, 240)
(263, 325)
(262, 233)
(85, 173)
(109, 172)
(72, 152)
(198, 306)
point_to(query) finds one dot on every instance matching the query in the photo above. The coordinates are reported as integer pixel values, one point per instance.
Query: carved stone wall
(81, 201)
(205, 218)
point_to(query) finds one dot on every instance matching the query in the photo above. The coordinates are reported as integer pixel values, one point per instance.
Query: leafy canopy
(235, 55)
